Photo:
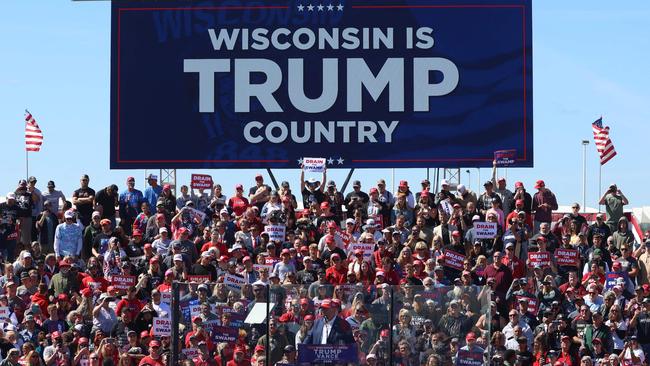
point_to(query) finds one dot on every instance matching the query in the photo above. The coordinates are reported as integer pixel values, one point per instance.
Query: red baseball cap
(86, 292)
(518, 184)
(519, 202)
(147, 246)
(64, 263)
(332, 225)
(325, 205)
(137, 232)
(384, 333)
(374, 190)
(154, 343)
(309, 317)
(304, 301)
(144, 334)
(259, 347)
(239, 186)
(470, 336)
(285, 251)
(456, 233)
(403, 183)
(326, 304)
(539, 184)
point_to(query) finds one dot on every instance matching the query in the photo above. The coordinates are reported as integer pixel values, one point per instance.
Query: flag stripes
(604, 144)
(33, 134)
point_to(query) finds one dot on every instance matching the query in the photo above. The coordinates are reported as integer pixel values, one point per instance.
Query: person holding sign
(312, 189)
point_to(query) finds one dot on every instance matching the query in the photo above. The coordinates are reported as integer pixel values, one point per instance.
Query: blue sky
(590, 58)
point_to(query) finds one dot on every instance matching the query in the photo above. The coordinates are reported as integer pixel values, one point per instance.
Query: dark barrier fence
(328, 324)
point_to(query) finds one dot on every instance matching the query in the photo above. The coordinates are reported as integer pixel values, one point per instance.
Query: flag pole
(600, 185)
(26, 164)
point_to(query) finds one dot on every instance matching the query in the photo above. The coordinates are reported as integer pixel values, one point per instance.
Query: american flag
(33, 133)
(603, 142)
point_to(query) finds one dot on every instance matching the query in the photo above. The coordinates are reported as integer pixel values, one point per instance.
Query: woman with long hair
(402, 208)
(618, 327)
(305, 327)
(366, 274)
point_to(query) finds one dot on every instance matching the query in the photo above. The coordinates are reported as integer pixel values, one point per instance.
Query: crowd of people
(421, 276)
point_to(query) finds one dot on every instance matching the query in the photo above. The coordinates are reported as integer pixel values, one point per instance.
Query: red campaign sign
(532, 303)
(122, 282)
(198, 278)
(539, 258)
(567, 257)
(454, 260)
(201, 181)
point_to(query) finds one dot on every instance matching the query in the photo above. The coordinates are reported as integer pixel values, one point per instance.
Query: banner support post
(275, 182)
(347, 180)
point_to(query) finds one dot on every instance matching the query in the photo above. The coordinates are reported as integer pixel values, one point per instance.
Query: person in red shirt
(95, 280)
(337, 273)
(199, 334)
(516, 265)
(239, 358)
(166, 286)
(566, 357)
(154, 358)
(238, 203)
(131, 302)
(217, 240)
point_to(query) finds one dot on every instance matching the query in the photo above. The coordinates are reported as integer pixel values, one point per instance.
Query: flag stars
(320, 7)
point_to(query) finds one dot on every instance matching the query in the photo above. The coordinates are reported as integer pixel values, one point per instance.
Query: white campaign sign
(313, 165)
(162, 326)
(276, 232)
(485, 230)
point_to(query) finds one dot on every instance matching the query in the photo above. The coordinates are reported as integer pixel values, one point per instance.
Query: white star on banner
(301, 7)
(330, 161)
(310, 7)
(339, 7)
(340, 161)
(330, 7)
(300, 161)
(320, 7)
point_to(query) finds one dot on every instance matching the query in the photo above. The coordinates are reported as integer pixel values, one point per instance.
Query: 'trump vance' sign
(404, 83)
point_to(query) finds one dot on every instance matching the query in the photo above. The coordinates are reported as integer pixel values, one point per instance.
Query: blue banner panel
(309, 354)
(388, 83)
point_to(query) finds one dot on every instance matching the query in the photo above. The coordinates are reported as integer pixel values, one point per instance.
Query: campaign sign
(505, 157)
(4, 312)
(166, 297)
(485, 230)
(162, 326)
(258, 267)
(454, 260)
(567, 257)
(327, 353)
(121, 282)
(198, 278)
(539, 258)
(276, 232)
(190, 353)
(612, 277)
(313, 165)
(367, 249)
(234, 282)
(201, 181)
(398, 83)
(469, 358)
(224, 334)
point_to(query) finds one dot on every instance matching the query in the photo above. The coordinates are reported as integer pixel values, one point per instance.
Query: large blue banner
(388, 83)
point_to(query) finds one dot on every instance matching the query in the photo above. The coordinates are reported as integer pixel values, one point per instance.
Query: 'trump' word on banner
(567, 257)
(542, 259)
(505, 157)
(162, 326)
(263, 84)
(469, 358)
(485, 230)
(276, 232)
(313, 165)
(201, 181)
(309, 354)
(121, 282)
(454, 260)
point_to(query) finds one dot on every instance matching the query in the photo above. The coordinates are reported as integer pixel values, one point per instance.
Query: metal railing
(391, 323)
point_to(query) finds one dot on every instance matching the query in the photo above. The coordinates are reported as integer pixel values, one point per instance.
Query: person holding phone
(104, 317)
(614, 200)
